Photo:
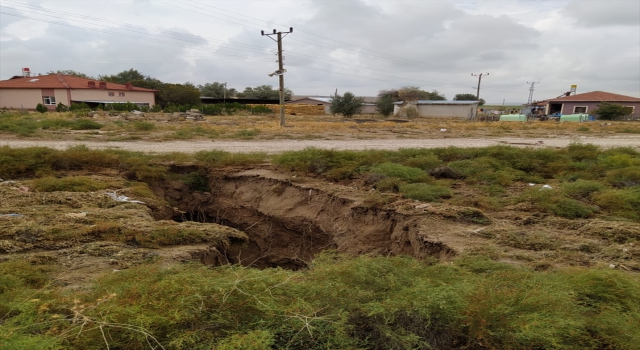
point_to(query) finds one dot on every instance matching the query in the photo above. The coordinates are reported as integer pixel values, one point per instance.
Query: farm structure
(441, 109)
(325, 101)
(49, 90)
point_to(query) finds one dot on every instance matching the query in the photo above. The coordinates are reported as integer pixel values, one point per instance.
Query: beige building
(442, 109)
(27, 92)
(369, 106)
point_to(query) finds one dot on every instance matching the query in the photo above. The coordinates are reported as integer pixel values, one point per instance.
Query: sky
(361, 46)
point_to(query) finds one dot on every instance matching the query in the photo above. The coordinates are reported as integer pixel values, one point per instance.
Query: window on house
(112, 93)
(578, 109)
(49, 100)
(121, 94)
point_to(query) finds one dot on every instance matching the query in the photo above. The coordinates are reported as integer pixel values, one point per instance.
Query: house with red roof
(587, 102)
(27, 92)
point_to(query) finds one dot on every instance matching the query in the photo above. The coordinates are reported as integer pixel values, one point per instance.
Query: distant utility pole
(280, 72)
(531, 91)
(479, 80)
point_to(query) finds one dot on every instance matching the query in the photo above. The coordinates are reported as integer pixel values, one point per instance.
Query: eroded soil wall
(288, 223)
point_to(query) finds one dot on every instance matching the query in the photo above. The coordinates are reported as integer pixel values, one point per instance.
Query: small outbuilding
(441, 109)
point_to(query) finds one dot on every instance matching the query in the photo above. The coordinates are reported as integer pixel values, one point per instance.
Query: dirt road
(277, 146)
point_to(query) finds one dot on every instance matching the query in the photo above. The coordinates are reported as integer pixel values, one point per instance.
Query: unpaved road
(277, 146)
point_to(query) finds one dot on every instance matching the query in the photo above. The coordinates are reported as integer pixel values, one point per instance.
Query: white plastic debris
(546, 187)
(443, 130)
(612, 266)
(121, 198)
(532, 184)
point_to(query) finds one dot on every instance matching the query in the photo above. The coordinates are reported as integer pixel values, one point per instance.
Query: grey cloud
(595, 13)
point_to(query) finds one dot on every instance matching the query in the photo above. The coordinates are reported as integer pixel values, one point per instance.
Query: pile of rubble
(190, 115)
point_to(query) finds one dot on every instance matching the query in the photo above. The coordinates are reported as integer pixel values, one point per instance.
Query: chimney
(26, 72)
(103, 85)
(129, 86)
(92, 84)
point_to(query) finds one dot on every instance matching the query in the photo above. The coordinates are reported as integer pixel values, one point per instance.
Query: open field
(368, 240)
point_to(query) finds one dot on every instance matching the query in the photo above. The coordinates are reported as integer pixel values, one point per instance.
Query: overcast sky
(362, 46)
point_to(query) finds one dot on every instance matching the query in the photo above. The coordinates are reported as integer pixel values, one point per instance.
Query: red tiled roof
(596, 96)
(59, 81)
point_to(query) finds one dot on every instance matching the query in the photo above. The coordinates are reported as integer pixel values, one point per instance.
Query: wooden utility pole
(280, 72)
(479, 80)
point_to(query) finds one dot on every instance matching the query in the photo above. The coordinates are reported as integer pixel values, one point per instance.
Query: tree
(179, 94)
(414, 93)
(612, 111)
(264, 92)
(348, 105)
(216, 90)
(468, 97)
(71, 73)
(386, 98)
(127, 76)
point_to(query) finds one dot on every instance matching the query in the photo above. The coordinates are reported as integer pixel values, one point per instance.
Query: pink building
(27, 92)
(589, 101)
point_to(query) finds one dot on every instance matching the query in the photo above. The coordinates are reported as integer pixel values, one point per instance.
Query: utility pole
(280, 72)
(479, 80)
(531, 91)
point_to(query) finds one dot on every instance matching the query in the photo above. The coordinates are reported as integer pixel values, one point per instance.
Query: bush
(612, 111)
(424, 192)
(143, 126)
(348, 105)
(581, 189)
(399, 171)
(70, 184)
(61, 107)
(79, 107)
(41, 108)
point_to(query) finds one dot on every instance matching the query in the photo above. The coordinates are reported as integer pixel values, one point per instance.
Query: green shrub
(143, 126)
(41, 108)
(581, 189)
(424, 192)
(85, 124)
(79, 107)
(61, 107)
(620, 202)
(399, 171)
(570, 208)
(625, 177)
(71, 184)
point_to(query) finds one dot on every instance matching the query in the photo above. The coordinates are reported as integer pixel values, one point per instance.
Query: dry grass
(319, 126)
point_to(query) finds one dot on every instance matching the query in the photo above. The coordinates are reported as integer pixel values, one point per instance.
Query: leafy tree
(71, 73)
(179, 94)
(264, 92)
(612, 111)
(386, 98)
(41, 108)
(468, 97)
(217, 90)
(127, 76)
(414, 93)
(348, 105)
